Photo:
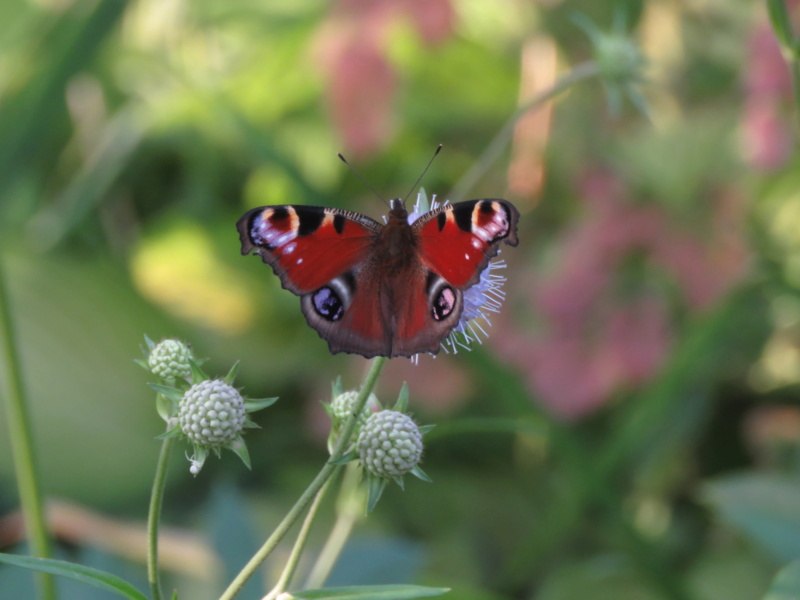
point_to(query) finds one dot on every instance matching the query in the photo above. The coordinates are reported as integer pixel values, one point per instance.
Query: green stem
(305, 498)
(299, 545)
(21, 439)
(154, 518)
(347, 515)
(498, 144)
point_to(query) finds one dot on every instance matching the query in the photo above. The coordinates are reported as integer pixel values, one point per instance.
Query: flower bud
(390, 444)
(169, 359)
(211, 413)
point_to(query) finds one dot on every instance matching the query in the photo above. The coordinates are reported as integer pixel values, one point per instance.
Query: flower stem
(154, 518)
(299, 545)
(498, 143)
(325, 473)
(346, 518)
(21, 438)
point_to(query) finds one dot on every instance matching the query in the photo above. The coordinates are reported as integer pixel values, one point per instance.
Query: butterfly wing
(455, 245)
(458, 240)
(324, 255)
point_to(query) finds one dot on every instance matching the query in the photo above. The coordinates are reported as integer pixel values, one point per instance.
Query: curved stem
(498, 143)
(299, 545)
(305, 498)
(154, 518)
(21, 439)
(347, 515)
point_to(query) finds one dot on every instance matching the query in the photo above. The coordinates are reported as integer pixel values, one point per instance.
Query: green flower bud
(343, 405)
(390, 444)
(169, 359)
(211, 413)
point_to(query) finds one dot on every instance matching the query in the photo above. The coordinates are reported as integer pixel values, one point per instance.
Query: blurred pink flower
(766, 130)
(607, 327)
(360, 81)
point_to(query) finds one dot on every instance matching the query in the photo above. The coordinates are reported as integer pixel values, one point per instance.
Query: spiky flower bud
(343, 405)
(390, 444)
(211, 413)
(169, 359)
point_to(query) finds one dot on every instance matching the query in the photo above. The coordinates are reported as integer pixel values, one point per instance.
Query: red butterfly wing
(326, 256)
(458, 240)
(307, 246)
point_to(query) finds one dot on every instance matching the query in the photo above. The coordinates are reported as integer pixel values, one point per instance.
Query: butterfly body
(374, 289)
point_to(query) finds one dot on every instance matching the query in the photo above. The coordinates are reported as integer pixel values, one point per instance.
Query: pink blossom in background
(360, 81)
(766, 119)
(601, 337)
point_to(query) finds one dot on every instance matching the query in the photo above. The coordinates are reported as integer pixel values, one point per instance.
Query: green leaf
(419, 473)
(336, 387)
(402, 399)
(349, 457)
(786, 585)
(764, 507)
(231, 376)
(240, 448)
(87, 575)
(426, 428)
(781, 24)
(165, 406)
(376, 485)
(371, 592)
(197, 373)
(142, 364)
(251, 405)
(171, 432)
(150, 343)
(170, 392)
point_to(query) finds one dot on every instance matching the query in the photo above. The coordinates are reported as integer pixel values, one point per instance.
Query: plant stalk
(20, 435)
(154, 518)
(311, 491)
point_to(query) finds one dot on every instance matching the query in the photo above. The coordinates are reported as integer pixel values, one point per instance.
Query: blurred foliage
(630, 430)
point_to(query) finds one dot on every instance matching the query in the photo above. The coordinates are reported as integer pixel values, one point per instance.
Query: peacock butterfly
(380, 290)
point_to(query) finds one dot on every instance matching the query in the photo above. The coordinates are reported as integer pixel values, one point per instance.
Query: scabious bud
(211, 413)
(390, 444)
(170, 360)
(343, 405)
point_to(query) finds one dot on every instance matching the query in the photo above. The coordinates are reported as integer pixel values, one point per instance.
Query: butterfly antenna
(364, 181)
(425, 170)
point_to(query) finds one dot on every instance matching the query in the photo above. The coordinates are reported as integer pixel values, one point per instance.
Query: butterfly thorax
(396, 246)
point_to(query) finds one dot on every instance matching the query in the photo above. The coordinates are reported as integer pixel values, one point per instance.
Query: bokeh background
(629, 430)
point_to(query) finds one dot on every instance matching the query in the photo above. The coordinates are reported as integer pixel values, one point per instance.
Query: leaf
(251, 405)
(150, 343)
(170, 392)
(240, 448)
(764, 507)
(171, 432)
(87, 575)
(231, 376)
(426, 428)
(371, 592)
(165, 406)
(402, 399)
(197, 373)
(349, 457)
(786, 585)
(376, 487)
(336, 387)
(142, 364)
(419, 473)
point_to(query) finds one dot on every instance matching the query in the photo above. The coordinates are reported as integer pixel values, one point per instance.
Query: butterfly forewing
(458, 240)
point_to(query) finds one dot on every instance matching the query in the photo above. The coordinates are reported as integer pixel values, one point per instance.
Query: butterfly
(380, 290)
